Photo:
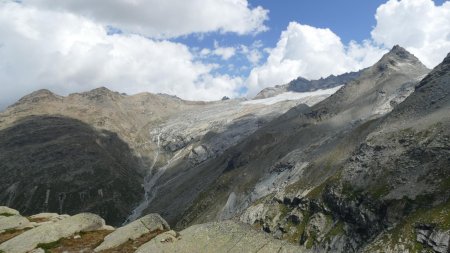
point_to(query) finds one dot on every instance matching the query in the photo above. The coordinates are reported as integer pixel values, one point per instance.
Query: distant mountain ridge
(301, 84)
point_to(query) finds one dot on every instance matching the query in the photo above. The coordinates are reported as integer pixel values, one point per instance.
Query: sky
(205, 49)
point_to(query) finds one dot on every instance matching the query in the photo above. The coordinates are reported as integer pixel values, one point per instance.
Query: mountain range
(351, 163)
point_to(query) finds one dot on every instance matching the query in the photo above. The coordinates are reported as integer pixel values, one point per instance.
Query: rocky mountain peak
(36, 96)
(446, 61)
(101, 91)
(101, 94)
(396, 57)
(42, 92)
(400, 52)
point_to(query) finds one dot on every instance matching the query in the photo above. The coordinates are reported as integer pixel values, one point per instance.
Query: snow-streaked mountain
(302, 85)
(309, 98)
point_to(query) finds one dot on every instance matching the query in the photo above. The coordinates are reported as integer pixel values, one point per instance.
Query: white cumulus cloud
(253, 52)
(70, 53)
(167, 18)
(420, 26)
(312, 53)
(224, 52)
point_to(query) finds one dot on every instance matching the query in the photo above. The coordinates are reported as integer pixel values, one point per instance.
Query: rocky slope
(86, 232)
(337, 177)
(55, 163)
(288, 147)
(104, 152)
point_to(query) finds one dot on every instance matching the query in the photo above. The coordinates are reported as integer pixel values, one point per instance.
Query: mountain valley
(358, 162)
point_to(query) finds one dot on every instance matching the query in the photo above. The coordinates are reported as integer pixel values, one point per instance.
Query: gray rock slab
(226, 236)
(52, 232)
(13, 222)
(8, 211)
(134, 230)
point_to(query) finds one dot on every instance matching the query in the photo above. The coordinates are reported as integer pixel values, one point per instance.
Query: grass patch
(336, 230)
(6, 214)
(316, 193)
(87, 243)
(264, 200)
(379, 191)
(350, 192)
(131, 246)
(48, 246)
(310, 241)
(284, 210)
(301, 228)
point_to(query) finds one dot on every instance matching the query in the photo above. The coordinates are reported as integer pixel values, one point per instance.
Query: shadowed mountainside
(59, 164)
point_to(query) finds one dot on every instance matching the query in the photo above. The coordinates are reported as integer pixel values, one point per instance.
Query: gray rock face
(147, 224)
(4, 210)
(63, 165)
(253, 214)
(438, 240)
(52, 232)
(318, 226)
(224, 236)
(13, 222)
(303, 85)
(199, 154)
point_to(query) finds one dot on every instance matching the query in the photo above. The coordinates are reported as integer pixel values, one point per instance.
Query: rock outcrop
(226, 236)
(148, 224)
(6, 211)
(83, 232)
(434, 238)
(52, 232)
(13, 222)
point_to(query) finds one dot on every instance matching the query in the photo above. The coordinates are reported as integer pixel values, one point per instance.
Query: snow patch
(309, 98)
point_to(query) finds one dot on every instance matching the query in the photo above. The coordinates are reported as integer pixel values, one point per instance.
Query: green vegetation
(445, 184)
(6, 214)
(284, 210)
(349, 191)
(338, 229)
(310, 241)
(404, 232)
(264, 199)
(316, 193)
(301, 228)
(379, 191)
(47, 246)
